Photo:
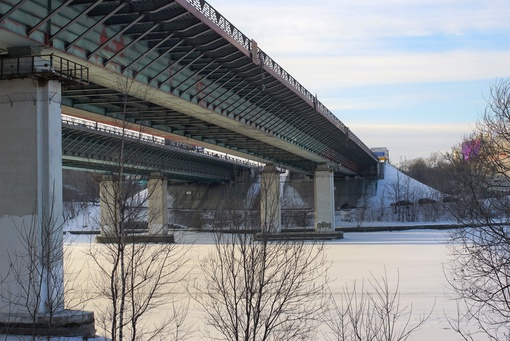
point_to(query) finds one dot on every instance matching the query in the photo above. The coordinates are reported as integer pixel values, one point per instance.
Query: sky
(412, 76)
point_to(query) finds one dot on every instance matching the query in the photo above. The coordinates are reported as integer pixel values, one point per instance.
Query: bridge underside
(194, 75)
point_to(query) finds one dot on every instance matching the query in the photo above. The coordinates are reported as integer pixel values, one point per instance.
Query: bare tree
(240, 201)
(479, 272)
(403, 195)
(373, 312)
(80, 190)
(137, 279)
(258, 289)
(134, 275)
(363, 203)
(38, 270)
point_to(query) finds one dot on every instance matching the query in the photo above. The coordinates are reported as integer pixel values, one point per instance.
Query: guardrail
(140, 136)
(49, 66)
(132, 134)
(209, 12)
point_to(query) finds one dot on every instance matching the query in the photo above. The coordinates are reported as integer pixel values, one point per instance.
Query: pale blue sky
(409, 75)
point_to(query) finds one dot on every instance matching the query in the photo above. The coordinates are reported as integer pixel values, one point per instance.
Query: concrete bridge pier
(110, 213)
(324, 198)
(31, 192)
(270, 206)
(109, 209)
(157, 205)
(31, 218)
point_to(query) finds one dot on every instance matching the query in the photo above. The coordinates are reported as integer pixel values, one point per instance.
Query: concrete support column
(324, 198)
(270, 207)
(157, 205)
(109, 210)
(31, 197)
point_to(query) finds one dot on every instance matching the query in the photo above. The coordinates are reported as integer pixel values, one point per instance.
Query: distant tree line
(434, 171)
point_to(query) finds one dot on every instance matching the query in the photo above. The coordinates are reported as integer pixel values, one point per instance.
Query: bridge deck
(179, 66)
(98, 148)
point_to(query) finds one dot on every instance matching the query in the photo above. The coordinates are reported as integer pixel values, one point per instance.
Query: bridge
(90, 145)
(173, 68)
(195, 77)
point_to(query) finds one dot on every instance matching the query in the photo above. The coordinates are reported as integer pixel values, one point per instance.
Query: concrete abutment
(199, 205)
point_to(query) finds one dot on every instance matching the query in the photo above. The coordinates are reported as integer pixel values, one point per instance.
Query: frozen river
(416, 258)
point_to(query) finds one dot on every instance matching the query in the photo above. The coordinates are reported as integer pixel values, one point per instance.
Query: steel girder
(86, 148)
(185, 48)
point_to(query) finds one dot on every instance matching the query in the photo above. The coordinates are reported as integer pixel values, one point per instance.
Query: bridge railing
(48, 66)
(213, 15)
(140, 136)
(69, 69)
(112, 129)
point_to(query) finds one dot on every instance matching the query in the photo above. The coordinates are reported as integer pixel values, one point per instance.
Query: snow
(376, 212)
(414, 259)
(417, 257)
(85, 218)
(394, 177)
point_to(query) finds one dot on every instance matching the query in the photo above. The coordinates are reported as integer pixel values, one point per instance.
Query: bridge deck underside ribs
(188, 50)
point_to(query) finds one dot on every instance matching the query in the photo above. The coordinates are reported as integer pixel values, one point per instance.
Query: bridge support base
(270, 207)
(65, 323)
(324, 198)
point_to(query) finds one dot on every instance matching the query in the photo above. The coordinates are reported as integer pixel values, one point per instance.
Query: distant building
(471, 148)
(382, 153)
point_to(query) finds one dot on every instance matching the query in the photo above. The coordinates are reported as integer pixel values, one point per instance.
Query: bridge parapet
(212, 14)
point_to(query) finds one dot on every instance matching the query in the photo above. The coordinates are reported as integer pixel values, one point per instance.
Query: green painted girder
(197, 65)
(86, 148)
